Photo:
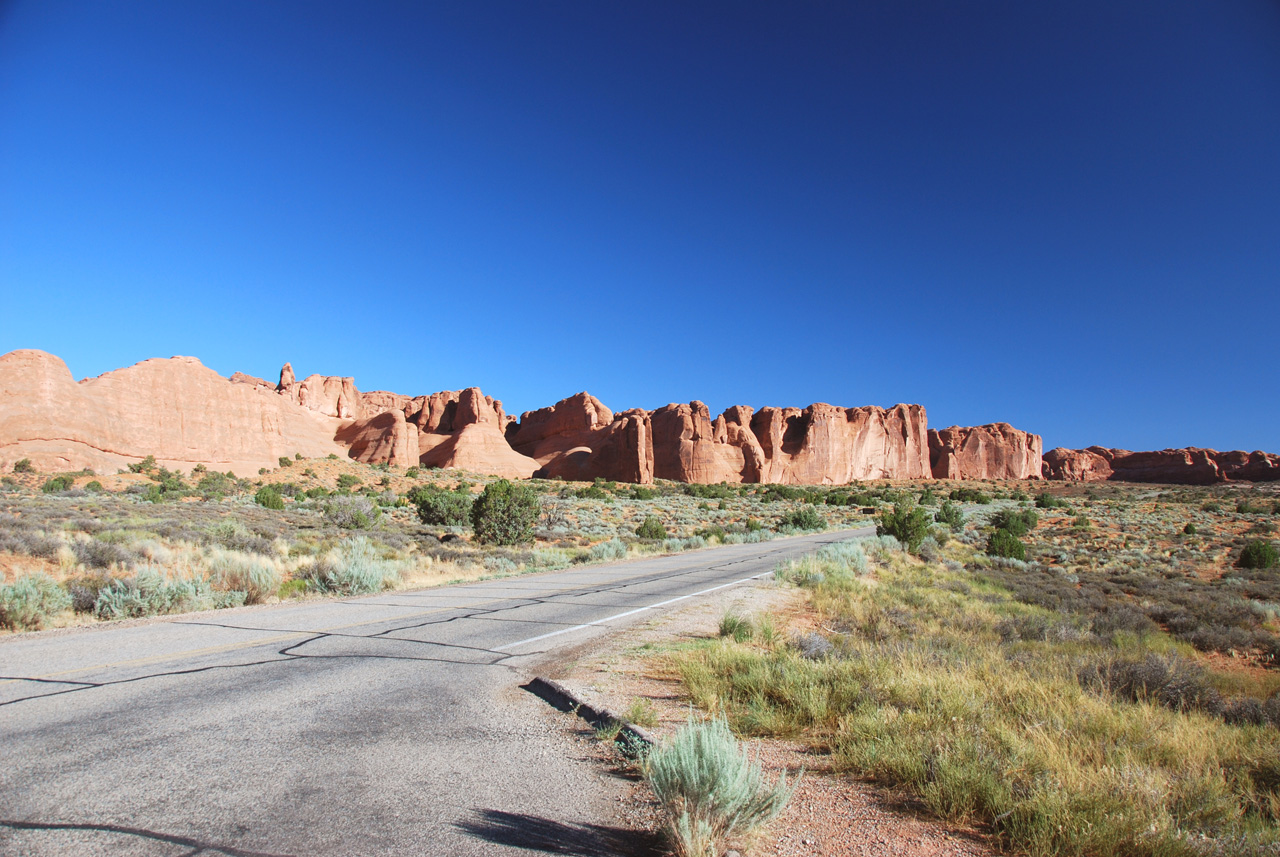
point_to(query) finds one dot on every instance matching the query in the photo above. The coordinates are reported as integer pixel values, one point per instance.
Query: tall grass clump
(354, 568)
(231, 571)
(848, 554)
(29, 601)
(709, 789)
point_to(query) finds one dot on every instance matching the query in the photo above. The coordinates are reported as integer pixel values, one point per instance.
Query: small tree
(442, 508)
(504, 513)
(651, 528)
(804, 518)
(1006, 544)
(907, 523)
(950, 515)
(1259, 554)
(268, 497)
(24, 465)
(1018, 523)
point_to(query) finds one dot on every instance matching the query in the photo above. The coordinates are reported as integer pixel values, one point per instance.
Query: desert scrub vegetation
(1086, 730)
(151, 541)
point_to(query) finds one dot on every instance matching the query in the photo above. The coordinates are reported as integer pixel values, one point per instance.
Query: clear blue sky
(1061, 215)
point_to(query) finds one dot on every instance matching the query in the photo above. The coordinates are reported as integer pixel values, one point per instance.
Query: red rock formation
(175, 409)
(325, 394)
(994, 451)
(1078, 465)
(1188, 466)
(241, 378)
(821, 444)
(383, 438)
(578, 438)
(465, 430)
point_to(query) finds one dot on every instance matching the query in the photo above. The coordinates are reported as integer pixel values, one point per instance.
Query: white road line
(630, 612)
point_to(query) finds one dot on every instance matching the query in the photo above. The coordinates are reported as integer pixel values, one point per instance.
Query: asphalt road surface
(388, 724)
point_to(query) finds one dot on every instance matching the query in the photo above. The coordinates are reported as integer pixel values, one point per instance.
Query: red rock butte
(185, 414)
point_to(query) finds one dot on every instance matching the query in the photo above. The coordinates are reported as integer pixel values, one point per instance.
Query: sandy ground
(829, 815)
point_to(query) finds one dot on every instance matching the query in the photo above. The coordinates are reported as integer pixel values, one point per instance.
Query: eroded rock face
(821, 444)
(1188, 466)
(384, 438)
(175, 409)
(994, 451)
(578, 438)
(329, 395)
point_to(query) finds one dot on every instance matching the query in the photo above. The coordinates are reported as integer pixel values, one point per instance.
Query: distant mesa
(186, 414)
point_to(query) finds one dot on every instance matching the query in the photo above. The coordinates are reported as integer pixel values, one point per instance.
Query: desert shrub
(93, 486)
(232, 534)
(907, 523)
(715, 531)
(720, 491)
(352, 568)
(98, 553)
(849, 554)
(146, 465)
(58, 483)
(1259, 554)
(347, 481)
(969, 495)
(442, 508)
(352, 513)
(412, 473)
(949, 513)
(804, 518)
(149, 593)
(1019, 523)
(593, 492)
(504, 513)
(673, 545)
(232, 571)
(30, 600)
(610, 550)
(1045, 500)
(23, 465)
(709, 789)
(1170, 681)
(640, 492)
(286, 461)
(269, 498)
(1189, 530)
(1003, 543)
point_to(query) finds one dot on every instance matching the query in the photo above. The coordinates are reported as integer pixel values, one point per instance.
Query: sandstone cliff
(993, 451)
(579, 438)
(175, 409)
(1188, 466)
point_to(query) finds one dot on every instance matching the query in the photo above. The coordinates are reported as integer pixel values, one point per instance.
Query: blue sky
(1064, 216)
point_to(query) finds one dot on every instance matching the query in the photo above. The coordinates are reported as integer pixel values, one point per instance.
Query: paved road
(391, 724)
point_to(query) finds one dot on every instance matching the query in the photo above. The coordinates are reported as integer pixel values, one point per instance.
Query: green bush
(651, 528)
(23, 465)
(149, 593)
(1045, 500)
(806, 518)
(610, 550)
(93, 486)
(504, 513)
(1190, 529)
(970, 495)
(58, 483)
(949, 513)
(352, 513)
(640, 492)
(709, 789)
(412, 473)
(346, 480)
(268, 497)
(442, 508)
(1017, 522)
(286, 461)
(1259, 554)
(30, 600)
(1006, 544)
(907, 523)
(146, 465)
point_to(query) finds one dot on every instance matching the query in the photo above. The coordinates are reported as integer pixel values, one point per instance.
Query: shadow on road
(197, 845)
(554, 837)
